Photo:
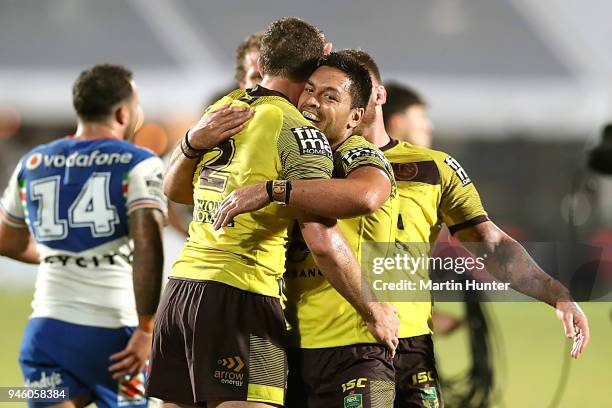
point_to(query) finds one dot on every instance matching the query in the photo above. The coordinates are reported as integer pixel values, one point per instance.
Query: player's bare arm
(509, 262)
(337, 261)
(145, 226)
(212, 129)
(364, 191)
(16, 243)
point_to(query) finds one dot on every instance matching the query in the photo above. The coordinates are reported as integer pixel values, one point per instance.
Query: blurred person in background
(405, 115)
(247, 74)
(93, 204)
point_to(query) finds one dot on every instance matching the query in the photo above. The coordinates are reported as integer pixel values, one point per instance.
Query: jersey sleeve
(12, 212)
(144, 189)
(352, 157)
(304, 153)
(460, 204)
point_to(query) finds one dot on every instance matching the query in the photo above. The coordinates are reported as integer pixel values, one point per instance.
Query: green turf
(528, 335)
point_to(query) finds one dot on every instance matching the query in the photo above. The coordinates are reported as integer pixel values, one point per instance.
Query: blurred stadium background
(517, 90)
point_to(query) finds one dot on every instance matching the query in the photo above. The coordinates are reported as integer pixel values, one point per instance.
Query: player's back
(75, 196)
(277, 143)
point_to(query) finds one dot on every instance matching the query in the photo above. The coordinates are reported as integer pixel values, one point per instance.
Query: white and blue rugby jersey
(75, 197)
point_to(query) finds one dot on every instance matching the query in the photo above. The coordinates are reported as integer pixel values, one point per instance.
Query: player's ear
(260, 67)
(122, 114)
(355, 117)
(380, 95)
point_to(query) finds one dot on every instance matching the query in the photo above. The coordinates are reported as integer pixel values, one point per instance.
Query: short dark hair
(365, 59)
(361, 83)
(400, 98)
(291, 49)
(252, 42)
(97, 90)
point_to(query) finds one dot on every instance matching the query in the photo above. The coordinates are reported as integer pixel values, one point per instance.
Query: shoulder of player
(355, 141)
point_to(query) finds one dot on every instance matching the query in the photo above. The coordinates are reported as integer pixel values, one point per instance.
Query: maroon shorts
(213, 342)
(417, 384)
(359, 376)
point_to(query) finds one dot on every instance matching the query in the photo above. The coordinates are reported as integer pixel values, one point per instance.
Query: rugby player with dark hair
(93, 203)
(333, 360)
(405, 115)
(434, 189)
(220, 336)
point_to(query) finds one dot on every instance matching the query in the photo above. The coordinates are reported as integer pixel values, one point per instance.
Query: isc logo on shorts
(311, 140)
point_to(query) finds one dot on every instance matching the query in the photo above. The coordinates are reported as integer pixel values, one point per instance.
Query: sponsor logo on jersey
(34, 161)
(115, 258)
(312, 141)
(358, 152)
(303, 273)
(454, 164)
(76, 159)
(205, 211)
(231, 371)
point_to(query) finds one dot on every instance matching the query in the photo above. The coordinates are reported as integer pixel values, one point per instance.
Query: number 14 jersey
(75, 197)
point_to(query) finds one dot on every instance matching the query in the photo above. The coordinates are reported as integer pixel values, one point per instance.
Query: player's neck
(88, 131)
(292, 90)
(376, 132)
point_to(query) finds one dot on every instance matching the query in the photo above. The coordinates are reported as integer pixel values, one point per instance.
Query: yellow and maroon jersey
(276, 143)
(433, 189)
(317, 314)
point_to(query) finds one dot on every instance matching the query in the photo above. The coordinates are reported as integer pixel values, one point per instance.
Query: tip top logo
(34, 161)
(231, 373)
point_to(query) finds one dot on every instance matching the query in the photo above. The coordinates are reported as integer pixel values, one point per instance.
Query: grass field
(530, 348)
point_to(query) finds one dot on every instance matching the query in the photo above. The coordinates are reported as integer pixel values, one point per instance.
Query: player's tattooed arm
(145, 227)
(212, 129)
(364, 191)
(17, 243)
(509, 262)
(337, 261)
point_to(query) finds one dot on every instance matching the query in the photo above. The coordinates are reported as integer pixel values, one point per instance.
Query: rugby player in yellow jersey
(434, 189)
(334, 361)
(220, 334)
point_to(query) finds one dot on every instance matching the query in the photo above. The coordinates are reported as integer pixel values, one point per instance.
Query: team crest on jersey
(34, 161)
(311, 140)
(454, 164)
(405, 171)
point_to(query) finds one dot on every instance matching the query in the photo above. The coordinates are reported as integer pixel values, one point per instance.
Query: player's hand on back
(131, 360)
(215, 127)
(383, 322)
(575, 325)
(245, 199)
